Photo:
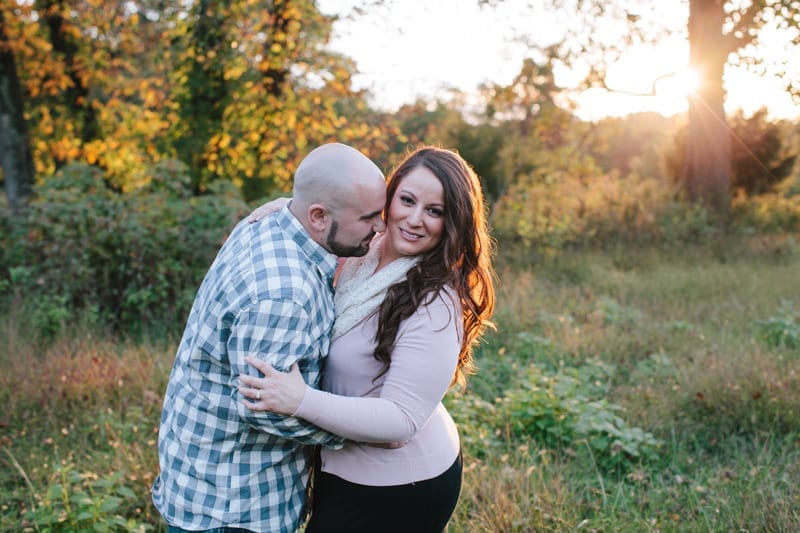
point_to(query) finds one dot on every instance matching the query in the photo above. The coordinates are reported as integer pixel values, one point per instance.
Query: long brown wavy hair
(461, 260)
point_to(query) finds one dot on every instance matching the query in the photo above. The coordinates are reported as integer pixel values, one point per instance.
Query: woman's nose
(415, 217)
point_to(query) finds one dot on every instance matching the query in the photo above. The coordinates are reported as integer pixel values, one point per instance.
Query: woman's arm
(423, 363)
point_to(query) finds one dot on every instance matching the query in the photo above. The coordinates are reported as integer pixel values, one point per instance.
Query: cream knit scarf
(360, 290)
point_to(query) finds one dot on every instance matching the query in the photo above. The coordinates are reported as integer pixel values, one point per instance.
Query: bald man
(268, 294)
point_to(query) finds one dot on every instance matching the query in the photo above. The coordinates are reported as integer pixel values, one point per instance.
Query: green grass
(684, 331)
(690, 346)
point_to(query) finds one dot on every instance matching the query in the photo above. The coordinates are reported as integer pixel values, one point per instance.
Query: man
(268, 294)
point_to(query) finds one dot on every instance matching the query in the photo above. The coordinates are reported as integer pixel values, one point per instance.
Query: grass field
(624, 390)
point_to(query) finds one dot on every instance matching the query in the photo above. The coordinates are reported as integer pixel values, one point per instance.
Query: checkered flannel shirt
(268, 294)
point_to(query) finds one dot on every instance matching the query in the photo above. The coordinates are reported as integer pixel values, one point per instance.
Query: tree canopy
(238, 90)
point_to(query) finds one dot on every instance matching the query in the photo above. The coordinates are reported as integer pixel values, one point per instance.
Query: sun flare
(681, 83)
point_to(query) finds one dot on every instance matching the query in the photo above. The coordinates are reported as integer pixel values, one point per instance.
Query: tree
(236, 89)
(720, 33)
(86, 72)
(15, 153)
(723, 33)
(66, 46)
(762, 153)
(706, 164)
(539, 135)
(205, 96)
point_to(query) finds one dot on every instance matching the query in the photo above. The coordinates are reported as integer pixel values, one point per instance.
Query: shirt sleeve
(277, 331)
(423, 364)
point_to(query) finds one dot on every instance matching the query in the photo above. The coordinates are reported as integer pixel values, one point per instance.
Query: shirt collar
(326, 262)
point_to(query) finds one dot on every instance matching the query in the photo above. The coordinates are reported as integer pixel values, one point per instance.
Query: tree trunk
(202, 108)
(15, 151)
(706, 168)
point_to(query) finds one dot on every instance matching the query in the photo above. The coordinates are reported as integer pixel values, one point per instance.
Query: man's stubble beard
(343, 250)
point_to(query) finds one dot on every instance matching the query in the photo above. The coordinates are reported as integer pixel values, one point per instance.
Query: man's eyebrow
(370, 215)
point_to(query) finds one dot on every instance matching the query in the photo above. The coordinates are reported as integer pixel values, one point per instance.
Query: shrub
(564, 410)
(132, 259)
(76, 501)
(567, 408)
(782, 329)
(759, 157)
(777, 211)
(596, 210)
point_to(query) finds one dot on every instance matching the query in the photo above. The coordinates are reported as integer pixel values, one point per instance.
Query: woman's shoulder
(435, 303)
(446, 295)
(439, 313)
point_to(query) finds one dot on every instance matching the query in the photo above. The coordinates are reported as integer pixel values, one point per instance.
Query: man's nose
(379, 227)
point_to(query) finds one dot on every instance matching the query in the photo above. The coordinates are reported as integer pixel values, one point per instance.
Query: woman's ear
(318, 217)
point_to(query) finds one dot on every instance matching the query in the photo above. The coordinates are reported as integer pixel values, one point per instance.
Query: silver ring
(258, 395)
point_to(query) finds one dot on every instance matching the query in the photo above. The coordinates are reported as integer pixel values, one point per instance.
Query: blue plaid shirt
(267, 294)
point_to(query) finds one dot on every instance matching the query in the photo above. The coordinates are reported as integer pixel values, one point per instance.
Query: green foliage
(783, 329)
(80, 421)
(760, 157)
(128, 258)
(548, 436)
(581, 208)
(631, 144)
(565, 410)
(238, 94)
(772, 211)
(75, 501)
(614, 313)
(480, 144)
(679, 222)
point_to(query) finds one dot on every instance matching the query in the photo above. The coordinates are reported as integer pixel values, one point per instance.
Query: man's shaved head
(331, 174)
(338, 196)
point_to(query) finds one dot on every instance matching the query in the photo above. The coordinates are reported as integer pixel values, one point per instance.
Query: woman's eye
(435, 211)
(407, 200)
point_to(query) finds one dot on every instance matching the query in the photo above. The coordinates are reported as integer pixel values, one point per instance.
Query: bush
(782, 329)
(563, 410)
(131, 259)
(542, 215)
(76, 501)
(777, 211)
(760, 153)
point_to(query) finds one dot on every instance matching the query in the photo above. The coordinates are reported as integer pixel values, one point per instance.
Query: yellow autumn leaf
(224, 140)
(91, 152)
(152, 98)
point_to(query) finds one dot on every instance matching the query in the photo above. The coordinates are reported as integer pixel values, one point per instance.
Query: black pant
(421, 507)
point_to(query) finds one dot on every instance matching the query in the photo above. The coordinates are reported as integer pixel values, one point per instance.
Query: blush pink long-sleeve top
(404, 404)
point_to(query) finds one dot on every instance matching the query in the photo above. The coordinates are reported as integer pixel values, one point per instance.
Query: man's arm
(277, 332)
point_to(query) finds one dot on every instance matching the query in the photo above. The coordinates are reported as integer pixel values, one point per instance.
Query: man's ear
(318, 217)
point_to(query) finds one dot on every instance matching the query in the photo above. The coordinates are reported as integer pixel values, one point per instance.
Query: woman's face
(415, 220)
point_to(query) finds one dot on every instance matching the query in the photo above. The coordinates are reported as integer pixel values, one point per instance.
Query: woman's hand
(277, 391)
(267, 208)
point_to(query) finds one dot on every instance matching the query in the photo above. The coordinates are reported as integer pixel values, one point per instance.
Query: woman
(408, 315)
